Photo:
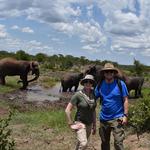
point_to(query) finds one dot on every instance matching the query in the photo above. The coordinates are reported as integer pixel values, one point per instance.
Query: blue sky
(116, 30)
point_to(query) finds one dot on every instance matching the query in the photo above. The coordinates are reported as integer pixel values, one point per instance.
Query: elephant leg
(64, 89)
(136, 93)
(24, 81)
(2, 80)
(76, 87)
(70, 89)
(139, 92)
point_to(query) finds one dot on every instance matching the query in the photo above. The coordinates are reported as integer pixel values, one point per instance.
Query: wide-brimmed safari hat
(109, 66)
(86, 78)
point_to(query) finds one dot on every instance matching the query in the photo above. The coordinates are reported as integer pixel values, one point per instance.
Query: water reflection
(38, 93)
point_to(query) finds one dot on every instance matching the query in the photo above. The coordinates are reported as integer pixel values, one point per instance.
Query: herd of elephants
(12, 67)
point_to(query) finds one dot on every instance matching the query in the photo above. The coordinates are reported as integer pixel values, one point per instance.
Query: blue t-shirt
(112, 100)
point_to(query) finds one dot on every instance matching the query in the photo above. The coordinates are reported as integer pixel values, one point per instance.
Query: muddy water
(38, 93)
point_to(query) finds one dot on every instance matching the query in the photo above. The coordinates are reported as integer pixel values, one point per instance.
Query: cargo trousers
(82, 137)
(114, 126)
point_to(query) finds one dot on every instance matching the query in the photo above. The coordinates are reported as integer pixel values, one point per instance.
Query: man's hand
(124, 120)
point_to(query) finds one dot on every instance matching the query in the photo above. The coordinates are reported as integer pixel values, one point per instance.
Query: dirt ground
(64, 141)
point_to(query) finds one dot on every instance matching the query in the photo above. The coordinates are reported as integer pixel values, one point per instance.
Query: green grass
(53, 118)
(11, 85)
(146, 91)
(3, 104)
(47, 82)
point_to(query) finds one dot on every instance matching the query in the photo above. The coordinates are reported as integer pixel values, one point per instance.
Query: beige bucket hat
(87, 77)
(109, 66)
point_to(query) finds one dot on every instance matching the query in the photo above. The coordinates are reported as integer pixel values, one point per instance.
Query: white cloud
(73, 12)
(31, 47)
(132, 54)
(27, 30)
(63, 27)
(15, 27)
(24, 29)
(90, 33)
(146, 52)
(48, 11)
(90, 10)
(125, 24)
(128, 31)
(3, 33)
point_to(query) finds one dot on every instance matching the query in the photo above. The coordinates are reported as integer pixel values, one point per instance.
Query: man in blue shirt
(114, 107)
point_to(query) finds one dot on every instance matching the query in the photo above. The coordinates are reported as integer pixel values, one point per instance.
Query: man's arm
(126, 103)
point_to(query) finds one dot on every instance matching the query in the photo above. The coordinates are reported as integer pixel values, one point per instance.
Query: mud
(36, 96)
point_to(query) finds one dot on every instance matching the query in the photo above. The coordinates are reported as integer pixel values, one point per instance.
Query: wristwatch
(126, 115)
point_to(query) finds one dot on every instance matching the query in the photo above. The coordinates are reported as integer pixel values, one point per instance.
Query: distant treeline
(61, 62)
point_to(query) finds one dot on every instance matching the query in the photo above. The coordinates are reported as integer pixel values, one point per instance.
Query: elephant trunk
(37, 74)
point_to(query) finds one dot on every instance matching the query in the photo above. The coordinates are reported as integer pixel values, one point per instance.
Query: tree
(138, 67)
(21, 55)
(40, 57)
(4, 54)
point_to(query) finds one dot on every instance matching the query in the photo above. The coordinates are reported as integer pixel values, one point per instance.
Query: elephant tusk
(35, 78)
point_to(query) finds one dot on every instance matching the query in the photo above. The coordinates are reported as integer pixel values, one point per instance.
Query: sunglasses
(89, 81)
(109, 71)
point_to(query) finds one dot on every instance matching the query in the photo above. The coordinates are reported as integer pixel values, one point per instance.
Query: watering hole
(37, 93)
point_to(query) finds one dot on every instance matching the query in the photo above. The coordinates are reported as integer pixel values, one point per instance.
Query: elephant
(13, 67)
(135, 83)
(71, 80)
(95, 71)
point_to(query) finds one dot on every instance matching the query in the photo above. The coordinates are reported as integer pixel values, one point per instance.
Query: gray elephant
(95, 70)
(135, 83)
(12, 67)
(71, 80)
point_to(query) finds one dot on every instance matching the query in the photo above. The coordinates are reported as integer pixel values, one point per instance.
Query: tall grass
(47, 81)
(53, 118)
(11, 85)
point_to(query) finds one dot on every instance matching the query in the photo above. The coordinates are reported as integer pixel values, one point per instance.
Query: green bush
(6, 143)
(139, 114)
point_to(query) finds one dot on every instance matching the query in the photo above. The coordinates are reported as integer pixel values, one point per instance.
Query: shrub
(139, 114)
(6, 143)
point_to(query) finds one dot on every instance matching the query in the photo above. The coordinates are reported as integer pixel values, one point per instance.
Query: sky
(115, 30)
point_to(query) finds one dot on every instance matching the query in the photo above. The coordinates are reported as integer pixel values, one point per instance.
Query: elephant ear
(31, 65)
